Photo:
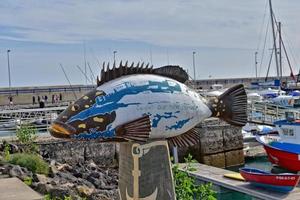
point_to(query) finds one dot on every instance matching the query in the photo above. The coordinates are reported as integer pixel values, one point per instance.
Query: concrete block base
(145, 171)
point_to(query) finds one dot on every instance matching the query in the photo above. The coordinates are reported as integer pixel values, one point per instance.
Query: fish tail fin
(231, 106)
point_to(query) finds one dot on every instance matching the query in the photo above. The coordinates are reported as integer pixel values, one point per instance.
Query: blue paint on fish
(167, 115)
(108, 103)
(109, 133)
(178, 124)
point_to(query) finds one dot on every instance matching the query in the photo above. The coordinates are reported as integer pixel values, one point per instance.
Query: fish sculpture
(140, 103)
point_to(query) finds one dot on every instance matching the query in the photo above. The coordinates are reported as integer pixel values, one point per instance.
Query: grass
(32, 162)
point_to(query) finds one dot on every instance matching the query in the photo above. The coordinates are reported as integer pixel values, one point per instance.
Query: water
(257, 162)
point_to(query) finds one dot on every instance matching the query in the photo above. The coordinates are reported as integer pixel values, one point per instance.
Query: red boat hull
(278, 182)
(287, 160)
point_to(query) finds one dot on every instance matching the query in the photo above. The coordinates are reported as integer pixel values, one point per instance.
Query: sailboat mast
(274, 38)
(279, 49)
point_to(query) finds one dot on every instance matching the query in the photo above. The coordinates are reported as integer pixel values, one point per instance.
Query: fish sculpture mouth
(61, 130)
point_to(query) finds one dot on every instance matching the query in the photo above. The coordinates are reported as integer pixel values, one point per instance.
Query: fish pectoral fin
(136, 130)
(186, 139)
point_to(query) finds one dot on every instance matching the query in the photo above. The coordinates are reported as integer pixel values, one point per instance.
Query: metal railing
(267, 113)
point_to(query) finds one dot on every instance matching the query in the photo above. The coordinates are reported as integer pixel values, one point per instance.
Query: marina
(175, 101)
(215, 175)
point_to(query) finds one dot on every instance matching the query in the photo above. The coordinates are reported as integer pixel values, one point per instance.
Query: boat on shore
(285, 182)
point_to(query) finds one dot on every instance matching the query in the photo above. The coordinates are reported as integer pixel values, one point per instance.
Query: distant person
(39, 99)
(53, 98)
(33, 100)
(11, 102)
(60, 97)
(42, 104)
(46, 98)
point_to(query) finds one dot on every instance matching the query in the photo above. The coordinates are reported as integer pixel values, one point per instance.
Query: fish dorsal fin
(186, 139)
(171, 71)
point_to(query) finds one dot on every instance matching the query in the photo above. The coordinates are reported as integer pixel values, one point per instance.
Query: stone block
(233, 138)
(234, 158)
(211, 140)
(216, 160)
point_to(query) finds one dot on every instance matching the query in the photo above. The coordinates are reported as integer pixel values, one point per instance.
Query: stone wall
(221, 145)
(72, 152)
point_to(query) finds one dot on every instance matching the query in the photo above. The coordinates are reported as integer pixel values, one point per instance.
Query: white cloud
(226, 23)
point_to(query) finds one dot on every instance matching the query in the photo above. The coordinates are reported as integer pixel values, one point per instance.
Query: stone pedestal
(145, 171)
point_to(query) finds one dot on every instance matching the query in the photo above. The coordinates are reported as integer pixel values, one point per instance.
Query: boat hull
(281, 156)
(287, 160)
(277, 182)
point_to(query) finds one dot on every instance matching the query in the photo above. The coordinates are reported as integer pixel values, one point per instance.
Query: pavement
(15, 189)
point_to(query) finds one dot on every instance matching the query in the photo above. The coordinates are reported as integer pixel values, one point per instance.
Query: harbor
(175, 101)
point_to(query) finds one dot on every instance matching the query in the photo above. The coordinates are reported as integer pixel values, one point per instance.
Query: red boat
(286, 155)
(279, 182)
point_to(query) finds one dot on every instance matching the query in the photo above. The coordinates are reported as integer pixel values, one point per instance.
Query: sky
(42, 35)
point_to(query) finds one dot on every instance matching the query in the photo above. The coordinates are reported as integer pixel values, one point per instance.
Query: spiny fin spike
(147, 66)
(132, 64)
(171, 71)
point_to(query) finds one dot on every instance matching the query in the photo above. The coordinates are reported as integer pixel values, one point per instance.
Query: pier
(267, 113)
(205, 173)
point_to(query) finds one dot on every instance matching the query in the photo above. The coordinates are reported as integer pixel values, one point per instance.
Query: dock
(205, 173)
(15, 189)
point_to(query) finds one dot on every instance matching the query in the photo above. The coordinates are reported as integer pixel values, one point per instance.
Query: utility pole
(194, 65)
(274, 38)
(279, 49)
(256, 63)
(114, 56)
(8, 66)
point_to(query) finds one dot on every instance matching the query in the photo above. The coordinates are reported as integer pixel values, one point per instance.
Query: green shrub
(186, 187)
(27, 135)
(6, 151)
(31, 161)
(28, 181)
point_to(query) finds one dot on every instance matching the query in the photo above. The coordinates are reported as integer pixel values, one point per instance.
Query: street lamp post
(194, 65)
(8, 66)
(256, 63)
(114, 56)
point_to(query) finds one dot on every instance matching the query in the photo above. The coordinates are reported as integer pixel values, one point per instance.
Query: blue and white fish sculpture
(139, 103)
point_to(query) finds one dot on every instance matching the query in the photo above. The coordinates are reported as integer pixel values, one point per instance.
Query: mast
(274, 37)
(279, 49)
(256, 63)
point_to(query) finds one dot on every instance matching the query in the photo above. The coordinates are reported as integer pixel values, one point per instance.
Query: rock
(52, 170)
(67, 176)
(43, 188)
(91, 165)
(64, 167)
(84, 190)
(16, 171)
(105, 195)
(81, 181)
(41, 178)
(59, 192)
